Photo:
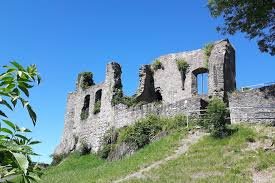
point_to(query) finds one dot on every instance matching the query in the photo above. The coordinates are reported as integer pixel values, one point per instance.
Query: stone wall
(253, 106)
(220, 68)
(125, 116)
(164, 85)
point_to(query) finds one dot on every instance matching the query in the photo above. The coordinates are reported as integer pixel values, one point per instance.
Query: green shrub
(215, 120)
(58, 158)
(97, 107)
(140, 133)
(182, 65)
(157, 65)
(118, 94)
(118, 98)
(250, 139)
(176, 122)
(105, 151)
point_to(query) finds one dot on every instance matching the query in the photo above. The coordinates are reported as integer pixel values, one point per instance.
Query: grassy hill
(241, 157)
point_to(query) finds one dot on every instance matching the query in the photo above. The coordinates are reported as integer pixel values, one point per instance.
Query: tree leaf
(3, 114)
(6, 131)
(38, 79)
(17, 65)
(24, 102)
(24, 89)
(34, 177)
(22, 137)
(4, 102)
(22, 161)
(10, 124)
(32, 114)
(34, 142)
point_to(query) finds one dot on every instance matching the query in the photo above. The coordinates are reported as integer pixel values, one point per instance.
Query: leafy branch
(15, 147)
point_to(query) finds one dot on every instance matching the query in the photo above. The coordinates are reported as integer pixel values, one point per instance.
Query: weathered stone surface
(146, 90)
(254, 106)
(164, 84)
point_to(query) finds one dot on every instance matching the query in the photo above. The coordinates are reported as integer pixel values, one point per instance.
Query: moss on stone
(157, 65)
(87, 80)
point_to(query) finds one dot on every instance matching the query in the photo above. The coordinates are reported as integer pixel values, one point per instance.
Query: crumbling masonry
(166, 91)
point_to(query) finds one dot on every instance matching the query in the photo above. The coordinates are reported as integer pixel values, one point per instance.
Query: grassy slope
(226, 160)
(214, 160)
(89, 168)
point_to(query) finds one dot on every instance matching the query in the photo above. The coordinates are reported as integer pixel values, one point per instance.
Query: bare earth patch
(266, 176)
(192, 138)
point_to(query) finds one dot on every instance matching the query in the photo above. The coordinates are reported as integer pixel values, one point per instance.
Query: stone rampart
(253, 106)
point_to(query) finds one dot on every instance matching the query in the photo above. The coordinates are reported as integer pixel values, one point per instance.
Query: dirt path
(192, 138)
(264, 176)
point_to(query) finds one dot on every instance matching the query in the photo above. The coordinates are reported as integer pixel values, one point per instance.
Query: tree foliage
(256, 18)
(15, 147)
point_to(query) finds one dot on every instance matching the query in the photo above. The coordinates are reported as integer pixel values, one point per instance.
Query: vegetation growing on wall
(157, 65)
(207, 49)
(118, 98)
(182, 65)
(97, 107)
(87, 80)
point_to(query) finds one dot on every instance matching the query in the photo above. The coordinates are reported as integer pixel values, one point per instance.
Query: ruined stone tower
(93, 109)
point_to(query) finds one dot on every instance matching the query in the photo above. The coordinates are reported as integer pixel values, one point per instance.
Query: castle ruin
(167, 91)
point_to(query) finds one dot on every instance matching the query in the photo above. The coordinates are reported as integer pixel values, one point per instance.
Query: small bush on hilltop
(215, 120)
(142, 131)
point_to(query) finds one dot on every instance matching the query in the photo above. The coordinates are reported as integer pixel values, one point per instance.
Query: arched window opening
(158, 96)
(97, 104)
(200, 81)
(85, 109)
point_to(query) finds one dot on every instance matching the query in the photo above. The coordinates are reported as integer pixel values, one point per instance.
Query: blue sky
(65, 37)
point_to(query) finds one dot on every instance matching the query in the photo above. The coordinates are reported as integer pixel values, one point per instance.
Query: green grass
(215, 160)
(90, 168)
(209, 160)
